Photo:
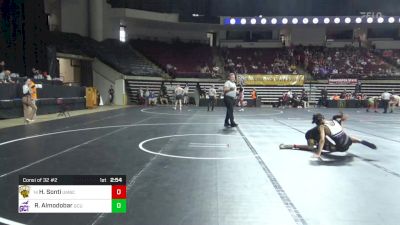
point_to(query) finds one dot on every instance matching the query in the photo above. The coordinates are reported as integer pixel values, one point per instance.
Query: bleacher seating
(392, 56)
(178, 59)
(122, 56)
(259, 60)
(347, 62)
(188, 60)
(117, 55)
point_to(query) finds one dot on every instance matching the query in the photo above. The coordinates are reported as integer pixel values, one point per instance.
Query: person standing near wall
(373, 103)
(241, 98)
(178, 96)
(27, 102)
(304, 98)
(385, 99)
(254, 97)
(212, 93)
(34, 96)
(358, 88)
(324, 97)
(111, 94)
(229, 99)
(186, 95)
(394, 101)
(146, 97)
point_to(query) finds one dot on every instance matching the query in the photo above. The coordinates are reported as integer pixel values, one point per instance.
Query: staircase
(218, 61)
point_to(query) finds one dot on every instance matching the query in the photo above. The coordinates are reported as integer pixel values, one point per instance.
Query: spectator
(46, 76)
(186, 94)
(343, 94)
(152, 98)
(212, 93)
(2, 65)
(146, 96)
(2, 76)
(304, 98)
(324, 97)
(34, 96)
(140, 95)
(254, 97)
(290, 94)
(111, 94)
(5, 77)
(27, 101)
(163, 89)
(358, 87)
(163, 99)
(35, 72)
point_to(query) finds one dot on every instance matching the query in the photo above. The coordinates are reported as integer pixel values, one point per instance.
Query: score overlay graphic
(72, 194)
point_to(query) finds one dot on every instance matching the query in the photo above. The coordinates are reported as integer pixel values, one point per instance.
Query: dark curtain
(54, 69)
(86, 73)
(23, 35)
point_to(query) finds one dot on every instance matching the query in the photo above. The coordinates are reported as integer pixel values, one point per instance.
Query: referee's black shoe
(227, 125)
(234, 125)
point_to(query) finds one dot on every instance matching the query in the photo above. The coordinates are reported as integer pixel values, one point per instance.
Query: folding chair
(63, 109)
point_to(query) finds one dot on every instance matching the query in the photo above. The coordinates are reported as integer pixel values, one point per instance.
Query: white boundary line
(207, 146)
(62, 152)
(9, 222)
(189, 157)
(97, 128)
(87, 142)
(146, 110)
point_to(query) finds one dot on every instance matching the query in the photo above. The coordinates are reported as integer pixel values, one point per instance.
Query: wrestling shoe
(283, 146)
(369, 144)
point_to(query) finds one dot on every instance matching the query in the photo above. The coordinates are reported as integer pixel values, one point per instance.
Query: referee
(229, 99)
(385, 98)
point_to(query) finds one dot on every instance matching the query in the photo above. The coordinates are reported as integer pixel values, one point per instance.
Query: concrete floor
(186, 168)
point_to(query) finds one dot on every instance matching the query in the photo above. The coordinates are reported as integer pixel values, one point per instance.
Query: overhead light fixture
(305, 20)
(295, 20)
(284, 20)
(391, 20)
(336, 20)
(253, 21)
(263, 21)
(380, 20)
(358, 20)
(347, 20)
(327, 20)
(370, 20)
(274, 20)
(232, 21)
(315, 20)
(243, 21)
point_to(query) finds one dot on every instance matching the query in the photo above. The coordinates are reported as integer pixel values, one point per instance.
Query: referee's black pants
(385, 105)
(229, 103)
(211, 102)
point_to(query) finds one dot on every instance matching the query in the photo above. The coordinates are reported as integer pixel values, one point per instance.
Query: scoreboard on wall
(72, 194)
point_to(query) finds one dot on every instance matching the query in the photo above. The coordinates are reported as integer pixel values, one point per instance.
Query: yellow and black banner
(274, 79)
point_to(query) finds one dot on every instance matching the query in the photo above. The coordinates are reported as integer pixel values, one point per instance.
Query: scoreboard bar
(72, 194)
(72, 179)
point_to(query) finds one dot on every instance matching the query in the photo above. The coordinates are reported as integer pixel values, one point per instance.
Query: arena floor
(186, 168)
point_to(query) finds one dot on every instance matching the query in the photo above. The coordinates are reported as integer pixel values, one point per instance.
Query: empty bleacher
(120, 56)
(178, 59)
